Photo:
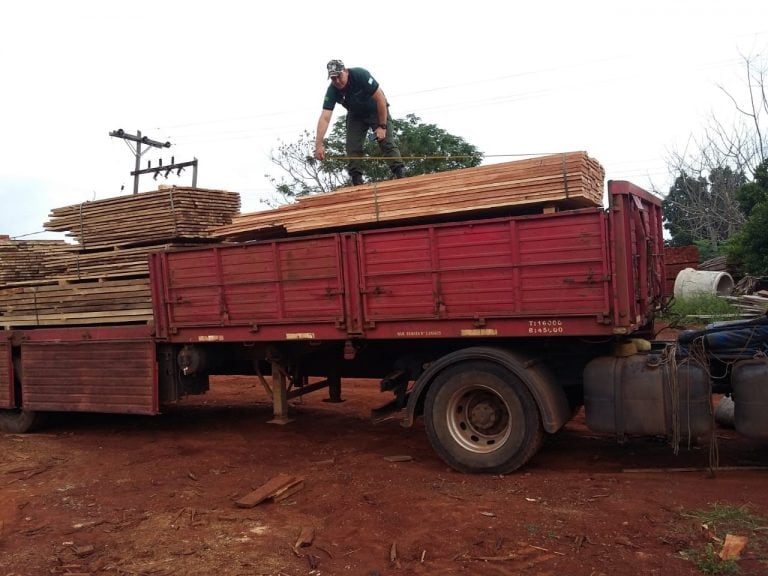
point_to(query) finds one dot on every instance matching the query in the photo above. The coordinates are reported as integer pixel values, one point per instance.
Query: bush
(700, 309)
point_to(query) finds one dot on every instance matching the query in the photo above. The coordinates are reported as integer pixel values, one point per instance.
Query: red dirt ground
(154, 496)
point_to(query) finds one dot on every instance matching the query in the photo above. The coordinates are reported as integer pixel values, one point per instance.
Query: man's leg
(389, 149)
(356, 129)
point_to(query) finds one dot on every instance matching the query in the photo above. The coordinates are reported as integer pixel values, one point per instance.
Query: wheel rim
(479, 419)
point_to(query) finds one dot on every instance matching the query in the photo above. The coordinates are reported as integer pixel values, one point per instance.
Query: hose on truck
(669, 362)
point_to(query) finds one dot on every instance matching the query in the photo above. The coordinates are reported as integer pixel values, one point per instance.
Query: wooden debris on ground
(568, 180)
(305, 538)
(393, 559)
(750, 305)
(749, 285)
(732, 547)
(288, 491)
(272, 488)
(399, 458)
(83, 551)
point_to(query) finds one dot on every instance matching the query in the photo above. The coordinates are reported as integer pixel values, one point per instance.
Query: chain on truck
(494, 331)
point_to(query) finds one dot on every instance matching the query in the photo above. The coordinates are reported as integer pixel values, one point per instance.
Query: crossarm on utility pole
(139, 140)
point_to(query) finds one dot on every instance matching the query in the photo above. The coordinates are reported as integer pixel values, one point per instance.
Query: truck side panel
(298, 281)
(525, 266)
(587, 272)
(7, 399)
(638, 253)
(118, 376)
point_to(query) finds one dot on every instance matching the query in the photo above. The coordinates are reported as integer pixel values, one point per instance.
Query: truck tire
(19, 421)
(480, 417)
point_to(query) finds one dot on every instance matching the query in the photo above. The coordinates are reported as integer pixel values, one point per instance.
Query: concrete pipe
(691, 282)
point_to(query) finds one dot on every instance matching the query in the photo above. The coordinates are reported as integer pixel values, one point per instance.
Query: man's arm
(322, 127)
(381, 108)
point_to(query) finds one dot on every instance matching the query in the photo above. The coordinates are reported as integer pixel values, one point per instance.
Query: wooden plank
(568, 180)
(166, 214)
(103, 278)
(265, 491)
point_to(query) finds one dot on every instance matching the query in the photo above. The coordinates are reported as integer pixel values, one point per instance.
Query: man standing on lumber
(367, 107)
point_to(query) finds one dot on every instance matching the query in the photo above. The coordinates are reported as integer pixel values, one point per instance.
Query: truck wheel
(19, 421)
(480, 417)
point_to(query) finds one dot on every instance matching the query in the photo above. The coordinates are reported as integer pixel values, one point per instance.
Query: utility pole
(168, 168)
(137, 152)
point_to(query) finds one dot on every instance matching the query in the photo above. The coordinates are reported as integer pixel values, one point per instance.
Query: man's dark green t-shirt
(356, 96)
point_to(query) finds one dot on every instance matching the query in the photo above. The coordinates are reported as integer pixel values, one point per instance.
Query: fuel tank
(749, 379)
(647, 394)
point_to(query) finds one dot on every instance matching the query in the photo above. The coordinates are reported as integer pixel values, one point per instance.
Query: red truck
(494, 330)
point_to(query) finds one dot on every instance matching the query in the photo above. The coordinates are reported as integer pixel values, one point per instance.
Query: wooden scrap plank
(265, 491)
(305, 538)
(289, 490)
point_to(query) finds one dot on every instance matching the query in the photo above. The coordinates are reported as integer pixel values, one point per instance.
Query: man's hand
(319, 152)
(380, 133)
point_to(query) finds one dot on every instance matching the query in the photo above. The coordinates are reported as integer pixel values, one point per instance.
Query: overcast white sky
(225, 81)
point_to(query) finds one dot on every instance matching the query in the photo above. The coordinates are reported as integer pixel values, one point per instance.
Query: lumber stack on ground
(166, 214)
(568, 180)
(104, 277)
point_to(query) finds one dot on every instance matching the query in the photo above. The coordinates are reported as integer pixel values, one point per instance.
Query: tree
(684, 193)
(425, 148)
(748, 249)
(743, 145)
(753, 193)
(711, 199)
(704, 208)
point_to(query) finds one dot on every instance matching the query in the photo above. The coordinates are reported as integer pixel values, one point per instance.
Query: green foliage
(302, 173)
(698, 208)
(749, 246)
(708, 251)
(436, 150)
(532, 528)
(719, 520)
(699, 309)
(750, 195)
(726, 517)
(708, 562)
(425, 149)
(675, 208)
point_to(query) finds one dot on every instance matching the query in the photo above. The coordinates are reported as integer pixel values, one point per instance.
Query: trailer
(493, 330)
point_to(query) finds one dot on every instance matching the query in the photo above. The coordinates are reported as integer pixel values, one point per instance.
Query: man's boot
(399, 171)
(357, 178)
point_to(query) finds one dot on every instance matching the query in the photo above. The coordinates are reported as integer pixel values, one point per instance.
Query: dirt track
(121, 495)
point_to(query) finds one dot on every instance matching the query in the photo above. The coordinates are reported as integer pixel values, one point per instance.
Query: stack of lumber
(151, 217)
(116, 263)
(716, 264)
(76, 302)
(750, 305)
(750, 296)
(24, 260)
(104, 278)
(562, 181)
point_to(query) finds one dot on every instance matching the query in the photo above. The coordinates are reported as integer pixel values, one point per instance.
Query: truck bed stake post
(279, 397)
